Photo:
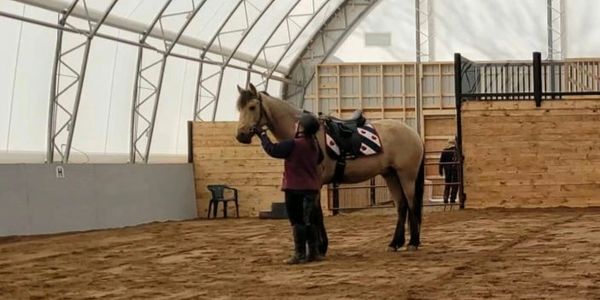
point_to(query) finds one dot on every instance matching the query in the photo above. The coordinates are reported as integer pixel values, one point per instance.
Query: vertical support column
(422, 53)
(54, 85)
(64, 104)
(422, 24)
(136, 85)
(53, 88)
(459, 144)
(555, 25)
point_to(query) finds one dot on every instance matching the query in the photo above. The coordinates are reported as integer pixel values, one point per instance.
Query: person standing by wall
(449, 169)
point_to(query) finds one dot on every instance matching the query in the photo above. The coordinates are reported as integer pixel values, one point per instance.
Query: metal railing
(536, 80)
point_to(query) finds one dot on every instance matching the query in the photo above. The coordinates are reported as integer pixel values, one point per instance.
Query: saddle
(356, 120)
(349, 139)
(345, 134)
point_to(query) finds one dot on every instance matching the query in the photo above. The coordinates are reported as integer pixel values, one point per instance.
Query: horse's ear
(241, 90)
(253, 90)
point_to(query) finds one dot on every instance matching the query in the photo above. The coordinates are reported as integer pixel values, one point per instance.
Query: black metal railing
(536, 80)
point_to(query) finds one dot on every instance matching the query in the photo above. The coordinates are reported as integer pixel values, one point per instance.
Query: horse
(401, 163)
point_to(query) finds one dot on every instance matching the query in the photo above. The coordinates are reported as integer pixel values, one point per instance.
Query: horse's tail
(419, 190)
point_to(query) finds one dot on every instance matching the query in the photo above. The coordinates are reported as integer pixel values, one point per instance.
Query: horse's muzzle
(244, 138)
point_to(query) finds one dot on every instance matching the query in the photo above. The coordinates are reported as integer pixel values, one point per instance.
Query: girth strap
(340, 167)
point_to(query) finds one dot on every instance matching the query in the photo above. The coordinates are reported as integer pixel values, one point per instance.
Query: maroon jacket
(300, 168)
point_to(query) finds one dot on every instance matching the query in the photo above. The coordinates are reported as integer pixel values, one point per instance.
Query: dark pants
(300, 206)
(451, 188)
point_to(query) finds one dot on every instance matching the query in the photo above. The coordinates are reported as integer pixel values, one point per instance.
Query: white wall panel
(10, 31)
(32, 84)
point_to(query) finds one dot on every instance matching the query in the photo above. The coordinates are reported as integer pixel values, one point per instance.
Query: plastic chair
(218, 195)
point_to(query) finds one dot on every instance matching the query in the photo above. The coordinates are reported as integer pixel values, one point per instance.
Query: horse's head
(252, 113)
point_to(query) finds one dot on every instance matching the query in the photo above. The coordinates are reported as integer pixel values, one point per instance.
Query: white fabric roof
(481, 30)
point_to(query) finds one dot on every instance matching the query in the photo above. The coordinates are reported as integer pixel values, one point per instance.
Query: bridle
(262, 112)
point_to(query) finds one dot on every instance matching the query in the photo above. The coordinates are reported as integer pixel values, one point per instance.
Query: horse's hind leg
(319, 224)
(407, 182)
(401, 205)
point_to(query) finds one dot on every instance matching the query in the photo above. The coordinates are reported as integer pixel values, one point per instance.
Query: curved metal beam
(139, 28)
(198, 105)
(237, 46)
(131, 43)
(291, 43)
(142, 124)
(322, 44)
(265, 45)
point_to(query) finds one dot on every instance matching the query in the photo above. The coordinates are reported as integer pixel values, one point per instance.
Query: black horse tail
(419, 190)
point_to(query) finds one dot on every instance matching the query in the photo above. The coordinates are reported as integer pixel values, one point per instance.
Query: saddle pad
(370, 143)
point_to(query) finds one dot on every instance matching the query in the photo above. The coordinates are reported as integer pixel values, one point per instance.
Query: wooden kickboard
(517, 155)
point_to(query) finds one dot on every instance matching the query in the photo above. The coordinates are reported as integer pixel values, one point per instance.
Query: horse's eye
(251, 107)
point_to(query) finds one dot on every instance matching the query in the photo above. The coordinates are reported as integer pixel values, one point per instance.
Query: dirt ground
(470, 254)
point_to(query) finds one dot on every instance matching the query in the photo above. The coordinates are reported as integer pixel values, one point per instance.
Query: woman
(301, 183)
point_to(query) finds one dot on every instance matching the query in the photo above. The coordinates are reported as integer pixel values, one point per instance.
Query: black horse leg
(319, 224)
(397, 193)
(398, 240)
(415, 236)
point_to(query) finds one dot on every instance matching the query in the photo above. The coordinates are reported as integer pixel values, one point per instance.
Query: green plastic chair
(218, 195)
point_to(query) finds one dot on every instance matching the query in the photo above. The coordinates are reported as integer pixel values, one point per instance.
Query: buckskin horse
(401, 161)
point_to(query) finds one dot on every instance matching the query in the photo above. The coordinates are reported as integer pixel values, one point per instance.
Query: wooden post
(458, 97)
(336, 199)
(190, 133)
(372, 192)
(537, 78)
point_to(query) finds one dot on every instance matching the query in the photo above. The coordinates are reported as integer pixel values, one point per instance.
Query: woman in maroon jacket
(301, 183)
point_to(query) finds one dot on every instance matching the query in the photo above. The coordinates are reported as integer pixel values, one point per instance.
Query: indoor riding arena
(131, 162)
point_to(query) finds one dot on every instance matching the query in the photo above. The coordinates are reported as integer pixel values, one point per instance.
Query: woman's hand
(257, 130)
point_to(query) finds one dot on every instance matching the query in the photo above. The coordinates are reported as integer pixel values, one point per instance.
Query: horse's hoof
(391, 249)
(412, 248)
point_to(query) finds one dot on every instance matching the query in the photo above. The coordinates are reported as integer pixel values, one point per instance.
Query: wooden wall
(220, 159)
(517, 155)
